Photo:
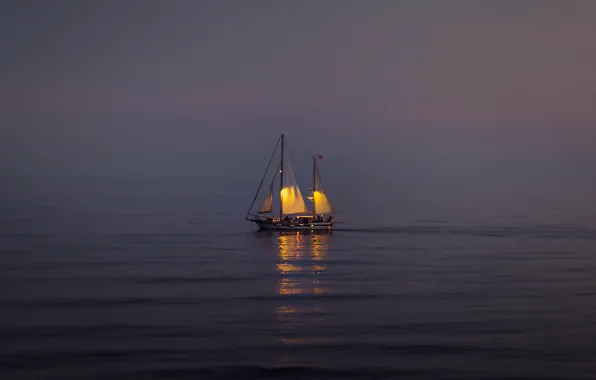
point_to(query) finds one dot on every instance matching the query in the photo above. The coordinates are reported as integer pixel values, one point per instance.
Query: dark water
(164, 279)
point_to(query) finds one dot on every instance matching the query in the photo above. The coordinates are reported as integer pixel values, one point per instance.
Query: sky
(446, 88)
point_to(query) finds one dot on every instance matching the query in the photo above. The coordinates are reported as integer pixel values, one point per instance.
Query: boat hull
(266, 225)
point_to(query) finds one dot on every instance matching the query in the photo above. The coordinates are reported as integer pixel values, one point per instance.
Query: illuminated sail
(290, 195)
(267, 205)
(320, 200)
(292, 201)
(322, 204)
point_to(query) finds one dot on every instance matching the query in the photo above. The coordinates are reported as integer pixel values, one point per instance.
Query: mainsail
(267, 205)
(290, 195)
(321, 203)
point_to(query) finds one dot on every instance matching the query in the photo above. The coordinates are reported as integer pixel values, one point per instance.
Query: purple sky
(503, 84)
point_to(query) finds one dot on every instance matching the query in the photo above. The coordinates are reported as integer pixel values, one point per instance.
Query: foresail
(267, 205)
(321, 202)
(290, 195)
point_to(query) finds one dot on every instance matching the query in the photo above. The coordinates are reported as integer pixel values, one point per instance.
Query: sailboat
(293, 211)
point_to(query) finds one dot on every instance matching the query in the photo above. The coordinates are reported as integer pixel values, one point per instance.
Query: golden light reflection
(288, 287)
(301, 266)
(317, 288)
(286, 268)
(285, 310)
(317, 269)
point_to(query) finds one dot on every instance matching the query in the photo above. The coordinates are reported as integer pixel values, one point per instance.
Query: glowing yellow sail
(292, 201)
(320, 200)
(290, 195)
(322, 204)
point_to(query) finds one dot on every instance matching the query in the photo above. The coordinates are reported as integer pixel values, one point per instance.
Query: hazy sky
(501, 84)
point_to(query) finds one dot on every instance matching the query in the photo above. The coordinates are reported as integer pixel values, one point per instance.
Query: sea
(161, 277)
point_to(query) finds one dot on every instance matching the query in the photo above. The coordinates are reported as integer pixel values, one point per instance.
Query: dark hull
(273, 225)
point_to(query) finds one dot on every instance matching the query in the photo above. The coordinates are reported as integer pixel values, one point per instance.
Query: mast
(314, 184)
(281, 178)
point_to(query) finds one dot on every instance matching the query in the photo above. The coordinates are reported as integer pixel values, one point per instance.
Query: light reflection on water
(301, 266)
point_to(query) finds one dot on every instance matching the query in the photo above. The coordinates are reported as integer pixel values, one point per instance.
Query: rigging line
(262, 179)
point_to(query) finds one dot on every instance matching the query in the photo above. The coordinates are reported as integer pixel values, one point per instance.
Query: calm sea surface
(163, 279)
